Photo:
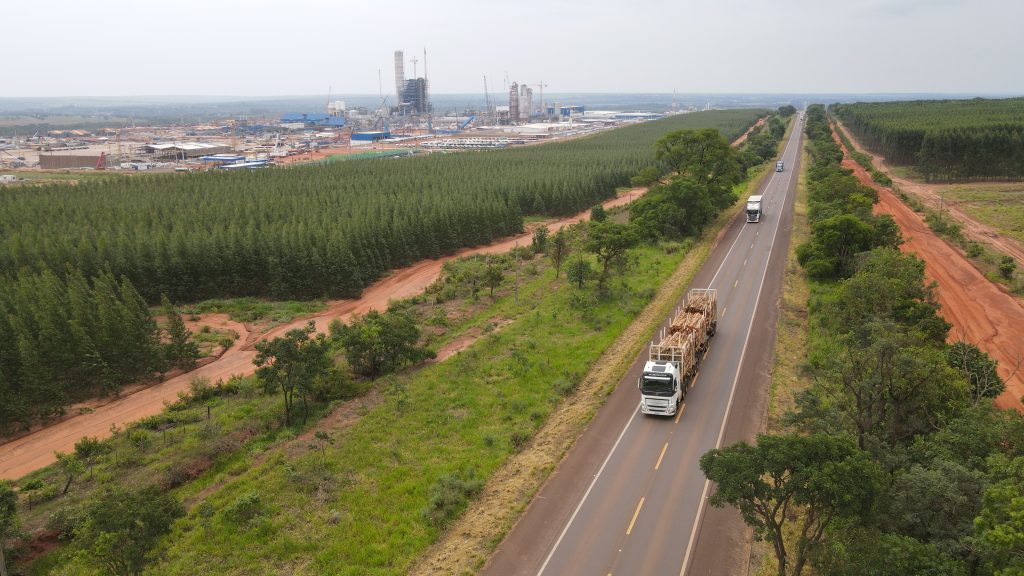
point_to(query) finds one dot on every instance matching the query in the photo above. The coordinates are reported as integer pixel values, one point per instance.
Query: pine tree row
(322, 231)
(945, 139)
(63, 339)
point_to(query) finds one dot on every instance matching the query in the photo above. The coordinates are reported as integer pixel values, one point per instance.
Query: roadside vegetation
(894, 460)
(266, 480)
(1002, 208)
(944, 139)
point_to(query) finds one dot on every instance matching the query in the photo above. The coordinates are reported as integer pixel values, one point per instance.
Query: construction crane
(381, 118)
(541, 85)
(487, 98)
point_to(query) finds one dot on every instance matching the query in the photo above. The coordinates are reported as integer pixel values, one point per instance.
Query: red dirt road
(980, 312)
(35, 450)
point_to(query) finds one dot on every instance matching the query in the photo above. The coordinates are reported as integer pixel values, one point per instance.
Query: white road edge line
(728, 406)
(637, 409)
(587, 493)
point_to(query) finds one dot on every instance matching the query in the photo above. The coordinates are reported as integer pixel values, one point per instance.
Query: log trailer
(672, 363)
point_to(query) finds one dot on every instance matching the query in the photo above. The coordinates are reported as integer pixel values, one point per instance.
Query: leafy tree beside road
(810, 481)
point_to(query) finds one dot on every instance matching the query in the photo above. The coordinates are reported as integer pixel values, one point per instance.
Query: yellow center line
(635, 514)
(678, 414)
(735, 283)
(723, 311)
(663, 448)
(744, 262)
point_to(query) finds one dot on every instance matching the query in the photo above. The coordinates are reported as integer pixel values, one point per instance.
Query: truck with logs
(672, 363)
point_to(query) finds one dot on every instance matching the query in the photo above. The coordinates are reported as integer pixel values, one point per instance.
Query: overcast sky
(273, 47)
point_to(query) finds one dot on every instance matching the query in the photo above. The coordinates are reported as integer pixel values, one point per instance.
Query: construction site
(404, 122)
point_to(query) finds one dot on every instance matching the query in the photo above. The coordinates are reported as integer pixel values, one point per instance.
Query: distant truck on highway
(779, 166)
(672, 363)
(754, 210)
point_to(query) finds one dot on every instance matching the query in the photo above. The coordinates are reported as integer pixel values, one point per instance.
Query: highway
(629, 498)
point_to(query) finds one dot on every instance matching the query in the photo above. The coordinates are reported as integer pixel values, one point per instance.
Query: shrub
(449, 496)
(1006, 267)
(245, 508)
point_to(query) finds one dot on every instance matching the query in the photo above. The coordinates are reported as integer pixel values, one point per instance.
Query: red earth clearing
(981, 312)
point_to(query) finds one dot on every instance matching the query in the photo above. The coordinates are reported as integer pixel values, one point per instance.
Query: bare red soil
(981, 312)
(931, 195)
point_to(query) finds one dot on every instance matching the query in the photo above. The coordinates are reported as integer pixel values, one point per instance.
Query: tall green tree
(679, 209)
(181, 350)
(1000, 524)
(379, 343)
(978, 368)
(810, 481)
(121, 527)
(702, 155)
(71, 467)
(610, 241)
(560, 246)
(493, 277)
(8, 519)
(293, 364)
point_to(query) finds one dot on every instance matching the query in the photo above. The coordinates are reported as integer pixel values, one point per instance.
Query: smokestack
(399, 76)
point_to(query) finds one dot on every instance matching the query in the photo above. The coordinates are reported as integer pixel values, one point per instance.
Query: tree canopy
(824, 478)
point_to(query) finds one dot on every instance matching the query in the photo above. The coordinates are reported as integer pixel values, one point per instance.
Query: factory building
(311, 119)
(525, 102)
(414, 97)
(399, 76)
(520, 102)
(178, 150)
(565, 111)
(68, 161)
(513, 102)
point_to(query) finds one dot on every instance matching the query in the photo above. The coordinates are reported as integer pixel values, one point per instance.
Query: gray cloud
(266, 47)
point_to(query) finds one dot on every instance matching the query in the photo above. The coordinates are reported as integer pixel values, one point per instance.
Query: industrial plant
(400, 123)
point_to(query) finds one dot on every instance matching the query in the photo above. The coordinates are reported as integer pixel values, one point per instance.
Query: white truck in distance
(779, 166)
(754, 211)
(672, 363)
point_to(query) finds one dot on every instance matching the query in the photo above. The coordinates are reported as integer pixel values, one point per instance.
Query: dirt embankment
(36, 449)
(981, 313)
(931, 196)
(743, 137)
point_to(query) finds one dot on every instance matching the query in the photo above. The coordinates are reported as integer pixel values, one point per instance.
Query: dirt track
(35, 450)
(931, 195)
(980, 312)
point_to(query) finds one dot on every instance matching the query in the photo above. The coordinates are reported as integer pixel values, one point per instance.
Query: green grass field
(1000, 206)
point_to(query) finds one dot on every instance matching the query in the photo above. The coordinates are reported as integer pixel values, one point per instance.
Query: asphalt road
(630, 498)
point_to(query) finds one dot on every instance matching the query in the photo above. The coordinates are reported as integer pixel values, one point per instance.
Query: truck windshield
(656, 385)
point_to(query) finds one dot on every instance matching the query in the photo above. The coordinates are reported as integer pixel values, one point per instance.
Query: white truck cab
(754, 209)
(661, 388)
